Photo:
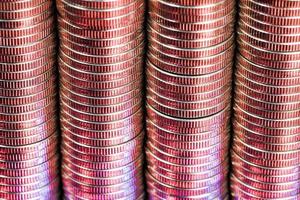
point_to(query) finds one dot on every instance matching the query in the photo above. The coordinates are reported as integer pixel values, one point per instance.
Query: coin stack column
(101, 69)
(28, 101)
(266, 146)
(189, 70)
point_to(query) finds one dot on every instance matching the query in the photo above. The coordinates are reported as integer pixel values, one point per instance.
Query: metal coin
(188, 73)
(28, 108)
(101, 68)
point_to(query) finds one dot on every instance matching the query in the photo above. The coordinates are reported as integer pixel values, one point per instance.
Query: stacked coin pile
(189, 70)
(266, 146)
(101, 69)
(28, 101)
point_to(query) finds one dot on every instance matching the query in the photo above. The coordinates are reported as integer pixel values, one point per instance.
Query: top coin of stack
(266, 146)
(101, 60)
(28, 108)
(189, 71)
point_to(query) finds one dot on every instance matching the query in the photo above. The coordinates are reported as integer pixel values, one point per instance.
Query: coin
(188, 74)
(265, 144)
(101, 68)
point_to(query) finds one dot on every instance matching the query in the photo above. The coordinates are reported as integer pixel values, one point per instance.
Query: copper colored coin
(86, 34)
(155, 185)
(215, 23)
(25, 22)
(25, 13)
(195, 34)
(275, 7)
(190, 14)
(28, 107)
(104, 23)
(166, 37)
(49, 191)
(184, 62)
(11, 5)
(102, 4)
(188, 86)
(97, 68)
(101, 13)
(122, 47)
(100, 62)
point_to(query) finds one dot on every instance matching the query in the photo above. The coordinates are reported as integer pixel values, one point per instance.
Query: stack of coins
(266, 146)
(101, 69)
(189, 70)
(28, 101)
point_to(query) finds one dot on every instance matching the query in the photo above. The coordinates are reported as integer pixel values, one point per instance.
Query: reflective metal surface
(28, 101)
(265, 152)
(101, 69)
(189, 70)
